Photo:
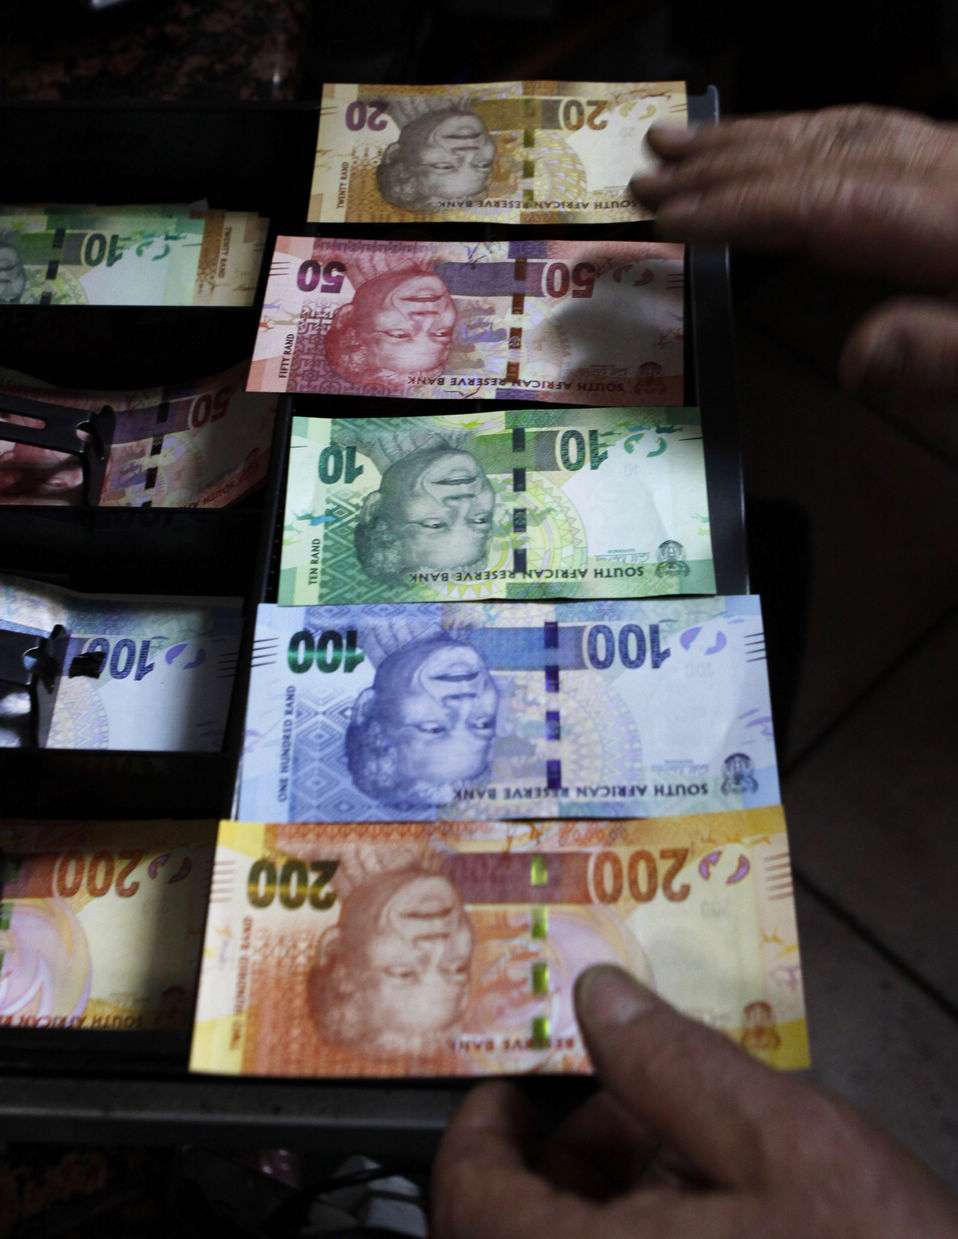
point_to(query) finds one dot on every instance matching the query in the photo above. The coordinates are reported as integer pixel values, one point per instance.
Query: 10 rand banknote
(537, 152)
(475, 710)
(563, 322)
(451, 949)
(518, 503)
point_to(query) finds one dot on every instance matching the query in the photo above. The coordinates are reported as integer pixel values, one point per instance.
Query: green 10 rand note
(505, 503)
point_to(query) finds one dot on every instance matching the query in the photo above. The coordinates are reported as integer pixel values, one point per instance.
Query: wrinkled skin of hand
(864, 189)
(689, 1138)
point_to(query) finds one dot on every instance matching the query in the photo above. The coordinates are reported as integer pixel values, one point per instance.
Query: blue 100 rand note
(486, 710)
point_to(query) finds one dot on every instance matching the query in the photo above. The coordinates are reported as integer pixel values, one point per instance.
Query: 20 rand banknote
(506, 152)
(519, 503)
(562, 322)
(476, 710)
(447, 948)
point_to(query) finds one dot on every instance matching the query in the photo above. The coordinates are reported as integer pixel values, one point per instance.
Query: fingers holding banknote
(863, 189)
(690, 1136)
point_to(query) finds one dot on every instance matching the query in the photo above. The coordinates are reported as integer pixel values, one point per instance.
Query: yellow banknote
(536, 152)
(451, 949)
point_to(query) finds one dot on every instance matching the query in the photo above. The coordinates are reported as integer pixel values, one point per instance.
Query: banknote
(504, 503)
(414, 711)
(115, 256)
(186, 445)
(504, 152)
(152, 673)
(564, 322)
(451, 948)
(101, 923)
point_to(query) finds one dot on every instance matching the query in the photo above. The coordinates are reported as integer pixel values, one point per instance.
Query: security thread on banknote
(451, 949)
(559, 322)
(519, 503)
(101, 923)
(536, 152)
(415, 711)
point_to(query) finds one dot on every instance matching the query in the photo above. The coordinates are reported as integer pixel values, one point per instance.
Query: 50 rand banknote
(101, 923)
(518, 503)
(478, 710)
(451, 949)
(537, 152)
(561, 322)
(203, 444)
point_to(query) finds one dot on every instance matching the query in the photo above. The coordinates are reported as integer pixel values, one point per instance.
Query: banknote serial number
(293, 883)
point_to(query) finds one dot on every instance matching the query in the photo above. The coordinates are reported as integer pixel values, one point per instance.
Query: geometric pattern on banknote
(80, 720)
(320, 781)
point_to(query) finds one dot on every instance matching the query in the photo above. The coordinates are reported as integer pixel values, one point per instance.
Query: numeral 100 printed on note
(504, 152)
(565, 322)
(519, 503)
(451, 949)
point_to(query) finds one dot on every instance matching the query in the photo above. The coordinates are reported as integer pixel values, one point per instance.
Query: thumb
(904, 349)
(702, 1094)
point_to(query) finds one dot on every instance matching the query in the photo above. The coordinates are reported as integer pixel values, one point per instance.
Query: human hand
(690, 1138)
(864, 189)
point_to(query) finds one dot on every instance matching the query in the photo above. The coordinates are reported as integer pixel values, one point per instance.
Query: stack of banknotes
(129, 255)
(184, 445)
(499, 725)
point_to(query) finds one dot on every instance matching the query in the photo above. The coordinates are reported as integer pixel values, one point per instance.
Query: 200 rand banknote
(451, 949)
(101, 923)
(564, 322)
(203, 444)
(478, 710)
(537, 152)
(518, 503)
(135, 673)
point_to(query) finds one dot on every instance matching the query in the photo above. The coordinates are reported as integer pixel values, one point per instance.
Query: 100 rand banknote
(203, 444)
(445, 948)
(140, 673)
(519, 503)
(561, 322)
(101, 923)
(479, 710)
(537, 152)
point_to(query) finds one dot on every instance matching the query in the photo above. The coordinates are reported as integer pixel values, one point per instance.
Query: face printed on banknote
(426, 726)
(393, 975)
(433, 510)
(398, 323)
(444, 154)
(13, 278)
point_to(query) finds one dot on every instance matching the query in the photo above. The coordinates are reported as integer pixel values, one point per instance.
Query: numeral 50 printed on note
(566, 322)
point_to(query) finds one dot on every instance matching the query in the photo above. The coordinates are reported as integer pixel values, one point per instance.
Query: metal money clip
(33, 665)
(60, 432)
